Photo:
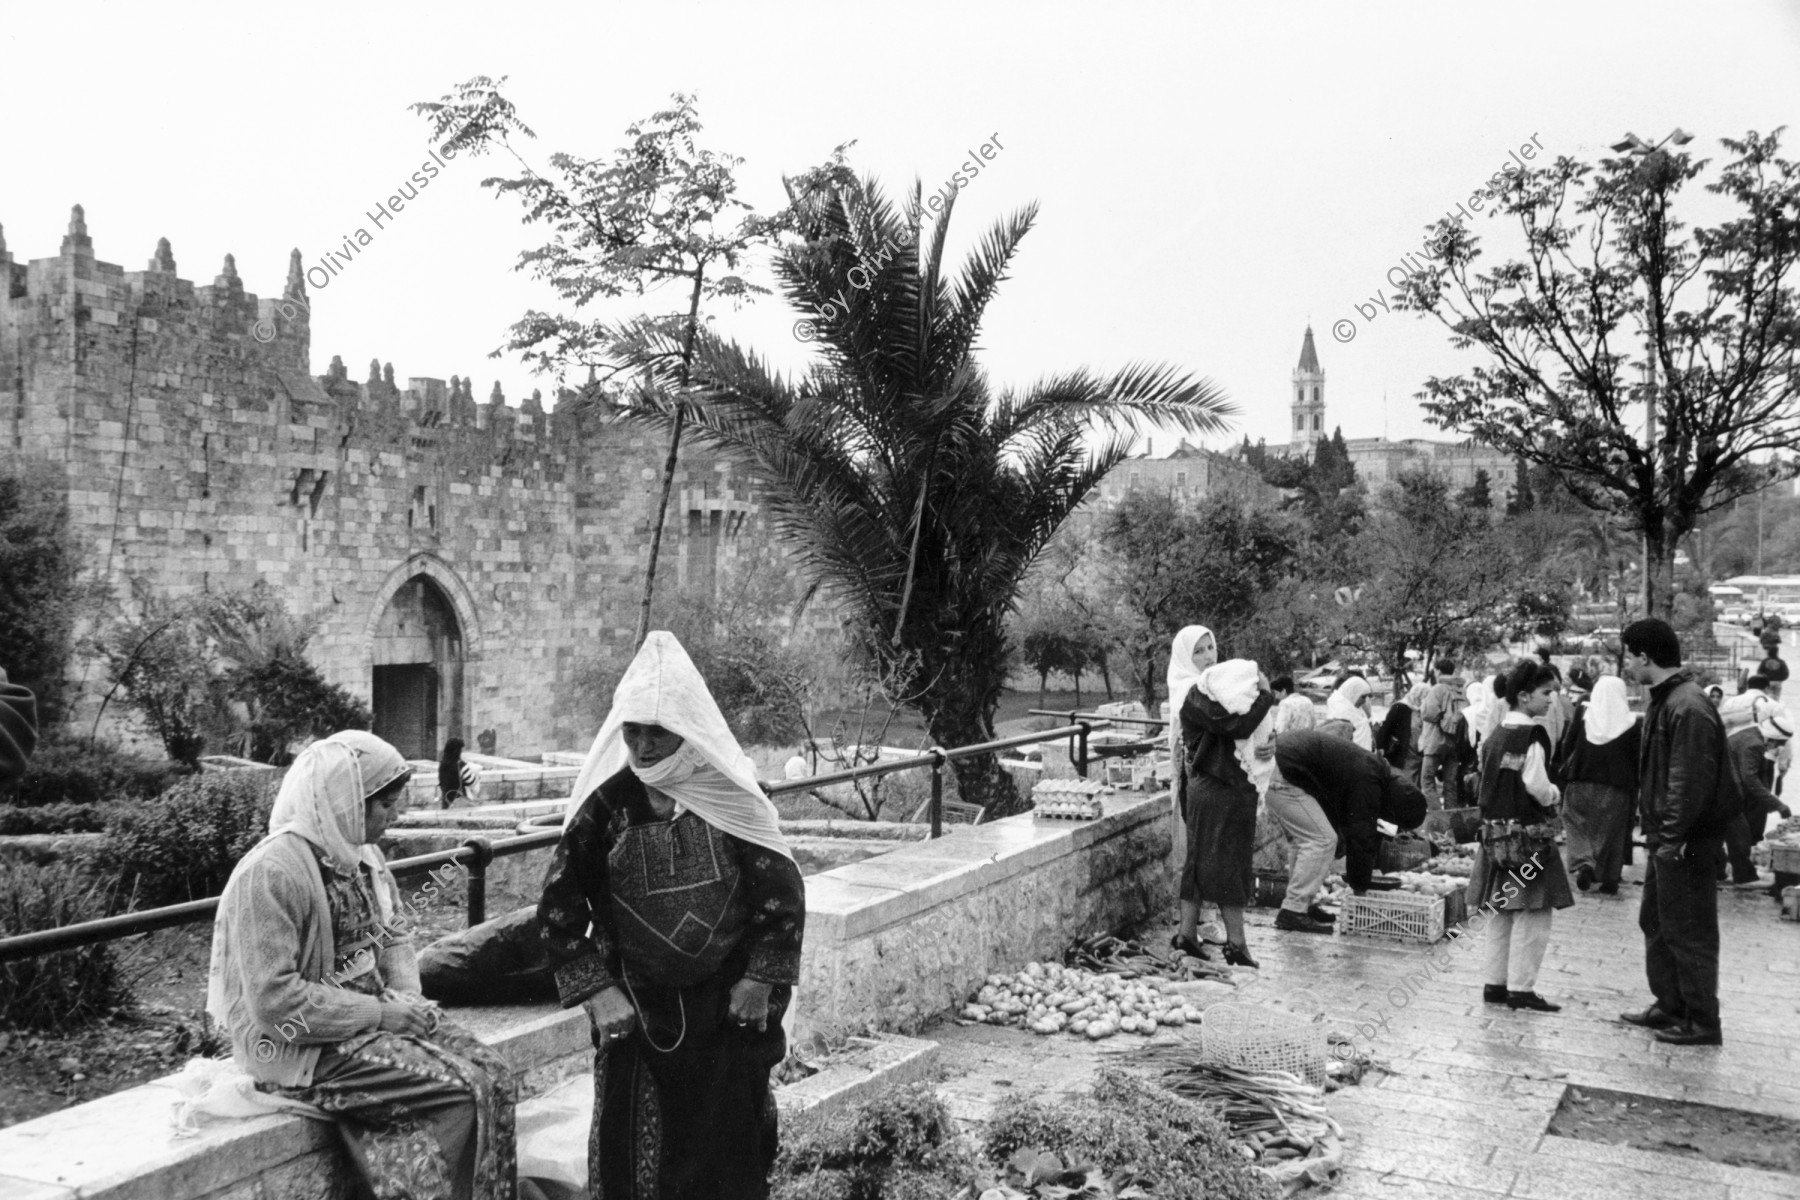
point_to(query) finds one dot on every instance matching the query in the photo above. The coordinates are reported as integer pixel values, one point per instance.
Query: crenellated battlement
(201, 452)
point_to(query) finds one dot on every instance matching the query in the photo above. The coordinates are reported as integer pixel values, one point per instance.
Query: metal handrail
(1072, 714)
(478, 851)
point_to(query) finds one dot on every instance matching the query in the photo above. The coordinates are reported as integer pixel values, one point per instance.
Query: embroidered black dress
(679, 912)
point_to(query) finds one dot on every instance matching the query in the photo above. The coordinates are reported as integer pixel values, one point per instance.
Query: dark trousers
(1738, 840)
(1680, 920)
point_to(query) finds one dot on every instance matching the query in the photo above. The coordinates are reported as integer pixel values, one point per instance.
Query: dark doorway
(418, 661)
(406, 706)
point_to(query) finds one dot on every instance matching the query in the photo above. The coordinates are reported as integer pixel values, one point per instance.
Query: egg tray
(1068, 799)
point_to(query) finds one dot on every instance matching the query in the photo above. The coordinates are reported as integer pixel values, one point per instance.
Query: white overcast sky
(1211, 176)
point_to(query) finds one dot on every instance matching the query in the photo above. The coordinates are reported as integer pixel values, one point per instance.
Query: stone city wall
(200, 454)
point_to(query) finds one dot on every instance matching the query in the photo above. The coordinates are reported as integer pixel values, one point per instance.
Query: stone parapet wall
(893, 940)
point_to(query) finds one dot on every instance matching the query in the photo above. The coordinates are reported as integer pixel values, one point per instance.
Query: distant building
(1378, 460)
(1189, 475)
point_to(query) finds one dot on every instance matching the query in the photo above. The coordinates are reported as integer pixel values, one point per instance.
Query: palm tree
(915, 496)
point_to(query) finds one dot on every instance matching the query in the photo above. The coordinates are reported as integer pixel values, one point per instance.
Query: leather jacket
(1682, 764)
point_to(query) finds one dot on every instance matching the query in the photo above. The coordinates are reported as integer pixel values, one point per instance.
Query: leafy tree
(658, 211)
(1520, 500)
(916, 495)
(40, 594)
(1052, 643)
(1440, 576)
(1608, 270)
(1479, 494)
(1223, 565)
(161, 663)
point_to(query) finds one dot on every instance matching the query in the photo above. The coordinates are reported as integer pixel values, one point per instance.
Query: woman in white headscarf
(315, 982)
(674, 912)
(1223, 712)
(1598, 762)
(1347, 712)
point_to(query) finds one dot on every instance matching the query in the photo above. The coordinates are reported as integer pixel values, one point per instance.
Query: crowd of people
(1557, 775)
(673, 911)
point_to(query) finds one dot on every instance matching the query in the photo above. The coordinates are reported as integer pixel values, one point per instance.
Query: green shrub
(1179, 1147)
(182, 845)
(73, 772)
(54, 991)
(900, 1145)
(57, 818)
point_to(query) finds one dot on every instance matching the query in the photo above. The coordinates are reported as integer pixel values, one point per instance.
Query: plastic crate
(1393, 916)
(1456, 909)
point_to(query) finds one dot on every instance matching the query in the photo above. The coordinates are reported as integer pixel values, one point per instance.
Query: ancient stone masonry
(462, 557)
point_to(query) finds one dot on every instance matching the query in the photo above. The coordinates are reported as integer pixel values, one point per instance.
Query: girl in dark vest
(1518, 874)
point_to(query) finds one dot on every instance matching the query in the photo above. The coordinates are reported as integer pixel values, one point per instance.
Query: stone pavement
(1471, 1087)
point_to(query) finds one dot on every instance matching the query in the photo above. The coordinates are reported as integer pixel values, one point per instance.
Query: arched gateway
(418, 656)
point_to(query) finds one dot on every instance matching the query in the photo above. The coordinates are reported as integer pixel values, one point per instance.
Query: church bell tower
(1309, 396)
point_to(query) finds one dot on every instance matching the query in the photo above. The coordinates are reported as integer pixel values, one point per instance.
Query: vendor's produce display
(1403, 853)
(1450, 864)
(1104, 954)
(1431, 884)
(1047, 998)
(1780, 848)
(1067, 799)
(1277, 1120)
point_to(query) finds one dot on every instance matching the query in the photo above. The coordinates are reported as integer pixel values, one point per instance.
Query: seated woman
(674, 911)
(313, 979)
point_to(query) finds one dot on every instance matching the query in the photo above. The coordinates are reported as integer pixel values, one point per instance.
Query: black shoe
(1653, 1017)
(1609, 889)
(1691, 1033)
(1530, 1000)
(1295, 922)
(1320, 915)
(1239, 956)
(1493, 993)
(1189, 946)
(1584, 876)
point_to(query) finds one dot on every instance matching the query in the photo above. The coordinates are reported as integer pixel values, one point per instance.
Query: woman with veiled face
(674, 912)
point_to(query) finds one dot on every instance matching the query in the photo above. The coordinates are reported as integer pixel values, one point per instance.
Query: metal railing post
(1081, 759)
(937, 791)
(478, 865)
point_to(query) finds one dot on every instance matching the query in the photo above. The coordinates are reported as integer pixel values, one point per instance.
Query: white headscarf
(1182, 676)
(1608, 712)
(1483, 711)
(1342, 706)
(710, 774)
(1233, 685)
(324, 797)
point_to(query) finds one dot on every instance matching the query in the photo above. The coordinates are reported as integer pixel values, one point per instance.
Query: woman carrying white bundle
(1228, 757)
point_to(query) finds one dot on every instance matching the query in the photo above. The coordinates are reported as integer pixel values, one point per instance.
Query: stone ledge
(121, 1147)
(884, 1061)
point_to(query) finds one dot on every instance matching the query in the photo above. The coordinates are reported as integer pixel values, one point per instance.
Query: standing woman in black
(1598, 766)
(1229, 756)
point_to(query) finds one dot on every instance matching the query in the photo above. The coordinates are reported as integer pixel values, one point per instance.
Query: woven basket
(1252, 1037)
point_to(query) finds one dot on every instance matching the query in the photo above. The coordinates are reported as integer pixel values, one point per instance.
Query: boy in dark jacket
(1685, 789)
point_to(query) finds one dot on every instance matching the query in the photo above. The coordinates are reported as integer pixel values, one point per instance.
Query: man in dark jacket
(18, 729)
(1686, 797)
(1326, 788)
